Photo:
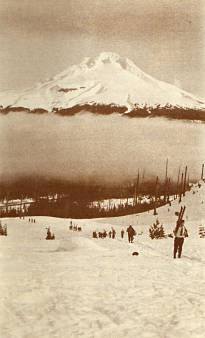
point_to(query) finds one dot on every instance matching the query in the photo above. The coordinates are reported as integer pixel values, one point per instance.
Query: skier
(1, 230)
(113, 233)
(49, 235)
(180, 232)
(122, 233)
(131, 233)
(110, 234)
(95, 234)
(104, 234)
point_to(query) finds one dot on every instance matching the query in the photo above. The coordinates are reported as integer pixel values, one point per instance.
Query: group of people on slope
(112, 233)
(104, 234)
(180, 233)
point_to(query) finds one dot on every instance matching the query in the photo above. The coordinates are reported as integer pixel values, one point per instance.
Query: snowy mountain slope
(77, 286)
(106, 80)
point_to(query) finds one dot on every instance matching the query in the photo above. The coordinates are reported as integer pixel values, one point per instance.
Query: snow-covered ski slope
(77, 286)
(108, 79)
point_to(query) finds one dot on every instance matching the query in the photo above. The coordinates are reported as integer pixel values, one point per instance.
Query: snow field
(77, 286)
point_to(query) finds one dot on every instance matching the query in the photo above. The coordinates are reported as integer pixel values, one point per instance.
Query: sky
(40, 38)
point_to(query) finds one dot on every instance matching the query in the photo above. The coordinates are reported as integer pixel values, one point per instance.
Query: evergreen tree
(156, 230)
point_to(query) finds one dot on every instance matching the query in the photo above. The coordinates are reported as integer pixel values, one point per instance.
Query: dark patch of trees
(168, 111)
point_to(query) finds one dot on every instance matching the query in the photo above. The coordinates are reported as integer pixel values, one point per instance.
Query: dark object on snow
(170, 235)
(113, 233)
(50, 236)
(79, 229)
(156, 230)
(95, 234)
(122, 233)
(3, 230)
(135, 253)
(201, 231)
(180, 232)
(104, 234)
(131, 233)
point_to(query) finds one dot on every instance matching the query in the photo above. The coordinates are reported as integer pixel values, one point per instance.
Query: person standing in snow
(113, 233)
(131, 233)
(122, 233)
(180, 232)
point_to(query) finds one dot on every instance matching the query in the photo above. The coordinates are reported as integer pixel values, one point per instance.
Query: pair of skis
(181, 214)
(180, 217)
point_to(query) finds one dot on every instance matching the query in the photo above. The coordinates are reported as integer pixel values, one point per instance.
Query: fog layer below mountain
(97, 148)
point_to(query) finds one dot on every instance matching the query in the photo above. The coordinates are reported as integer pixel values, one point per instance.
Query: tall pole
(7, 203)
(137, 188)
(179, 172)
(202, 172)
(188, 182)
(165, 183)
(184, 187)
(166, 169)
(143, 180)
(181, 188)
(155, 198)
(168, 188)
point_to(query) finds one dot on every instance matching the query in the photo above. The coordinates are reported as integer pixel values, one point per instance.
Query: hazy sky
(40, 38)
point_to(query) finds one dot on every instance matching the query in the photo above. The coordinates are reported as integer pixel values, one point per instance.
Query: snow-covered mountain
(108, 80)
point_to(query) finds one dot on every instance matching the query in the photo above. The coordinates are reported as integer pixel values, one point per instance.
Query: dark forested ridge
(168, 111)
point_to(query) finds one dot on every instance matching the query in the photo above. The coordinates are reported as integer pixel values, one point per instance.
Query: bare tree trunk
(155, 197)
(165, 182)
(181, 188)
(202, 172)
(184, 187)
(177, 194)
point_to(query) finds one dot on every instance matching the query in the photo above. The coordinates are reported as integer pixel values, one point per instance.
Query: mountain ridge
(108, 80)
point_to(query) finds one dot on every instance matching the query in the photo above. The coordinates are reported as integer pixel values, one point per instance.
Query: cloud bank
(89, 148)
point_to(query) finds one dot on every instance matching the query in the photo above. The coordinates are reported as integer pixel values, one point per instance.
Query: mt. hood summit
(108, 80)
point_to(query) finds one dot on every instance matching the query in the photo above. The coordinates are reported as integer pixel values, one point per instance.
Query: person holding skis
(180, 232)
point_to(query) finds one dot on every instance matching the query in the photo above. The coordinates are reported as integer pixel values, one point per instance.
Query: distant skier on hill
(113, 233)
(122, 233)
(131, 233)
(180, 232)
